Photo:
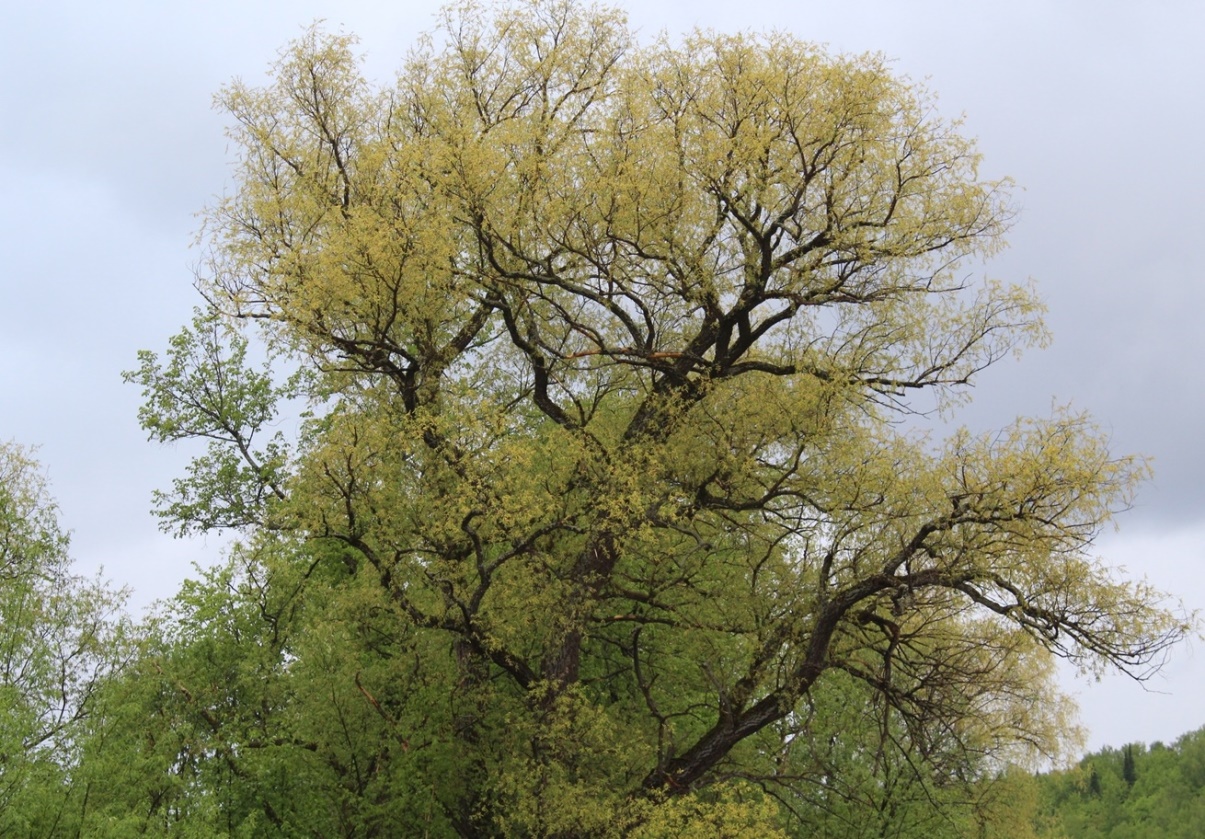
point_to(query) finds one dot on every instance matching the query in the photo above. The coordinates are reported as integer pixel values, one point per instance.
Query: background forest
(568, 399)
(1135, 792)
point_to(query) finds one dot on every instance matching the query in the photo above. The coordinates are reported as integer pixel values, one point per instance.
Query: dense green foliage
(1137, 792)
(598, 518)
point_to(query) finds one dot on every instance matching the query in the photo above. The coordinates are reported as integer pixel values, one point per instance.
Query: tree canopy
(601, 517)
(61, 636)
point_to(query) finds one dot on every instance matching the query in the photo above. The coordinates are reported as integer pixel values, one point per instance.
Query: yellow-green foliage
(726, 811)
(604, 342)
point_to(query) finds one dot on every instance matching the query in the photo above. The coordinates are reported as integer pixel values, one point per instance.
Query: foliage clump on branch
(602, 517)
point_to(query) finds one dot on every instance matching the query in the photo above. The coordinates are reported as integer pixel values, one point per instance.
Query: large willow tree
(605, 346)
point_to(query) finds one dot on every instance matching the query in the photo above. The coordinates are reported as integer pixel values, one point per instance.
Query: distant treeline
(1134, 792)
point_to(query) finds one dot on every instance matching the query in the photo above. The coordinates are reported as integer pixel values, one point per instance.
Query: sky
(109, 147)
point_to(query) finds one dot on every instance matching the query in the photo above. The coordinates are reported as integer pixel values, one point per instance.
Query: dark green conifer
(1093, 782)
(1128, 772)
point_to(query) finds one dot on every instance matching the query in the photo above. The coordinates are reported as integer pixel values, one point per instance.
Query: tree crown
(604, 343)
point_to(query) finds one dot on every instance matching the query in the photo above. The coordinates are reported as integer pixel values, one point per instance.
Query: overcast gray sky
(108, 146)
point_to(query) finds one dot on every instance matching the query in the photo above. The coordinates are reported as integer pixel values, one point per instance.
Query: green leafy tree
(604, 347)
(61, 635)
(195, 738)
